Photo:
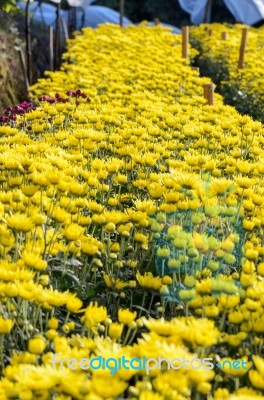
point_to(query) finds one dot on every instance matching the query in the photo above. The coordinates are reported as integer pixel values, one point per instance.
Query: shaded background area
(168, 11)
(12, 86)
(12, 31)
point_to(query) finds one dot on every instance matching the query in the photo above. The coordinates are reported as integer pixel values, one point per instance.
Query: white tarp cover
(246, 11)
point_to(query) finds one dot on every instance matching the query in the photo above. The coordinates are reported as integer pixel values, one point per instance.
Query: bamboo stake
(121, 12)
(65, 29)
(185, 41)
(242, 48)
(208, 89)
(57, 38)
(208, 10)
(23, 66)
(51, 48)
(28, 44)
(72, 21)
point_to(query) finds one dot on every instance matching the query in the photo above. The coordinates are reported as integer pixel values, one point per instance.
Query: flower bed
(131, 225)
(218, 46)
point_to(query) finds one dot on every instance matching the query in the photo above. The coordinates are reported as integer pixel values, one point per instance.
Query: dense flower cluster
(219, 47)
(131, 225)
(10, 113)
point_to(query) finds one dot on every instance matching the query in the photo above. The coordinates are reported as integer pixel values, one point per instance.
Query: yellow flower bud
(110, 227)
(187, 295)
(248, 225)
(261, 269)
(204, 387)
(132, 325)
(115, 330)
(213, 265)
(189, 281)
(229, 258)
(167, 280)
(126, 316)
(51, 334)
(251, 254)
(37, 345)
(248, 267)
(235, 317)
(174, 264)
(6, 325)
(163, 252)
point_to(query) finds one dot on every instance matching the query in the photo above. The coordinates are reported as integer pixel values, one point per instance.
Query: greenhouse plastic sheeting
(246, 11)
(90, 16)
(196, 8)
(174, 28)
(44, 13)
(95, 15)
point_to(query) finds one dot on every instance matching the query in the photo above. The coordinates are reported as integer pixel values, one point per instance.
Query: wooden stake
(156, 21)
(196, 69)
(242, 48)
(28, 43)
(72, 16)
(210, 32)
(57, 38)
(64, 28)
(224, 35)
(23, 66)
(51, 48)
(121, 12)
(208, 9)
(185, 41)
(208, 89)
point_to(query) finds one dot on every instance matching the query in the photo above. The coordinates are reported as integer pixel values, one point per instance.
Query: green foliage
(217, 69)
(12, 86)
(8, 5)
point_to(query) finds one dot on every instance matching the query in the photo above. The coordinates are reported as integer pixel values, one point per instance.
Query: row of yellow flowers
(122, 170)
(219, 49)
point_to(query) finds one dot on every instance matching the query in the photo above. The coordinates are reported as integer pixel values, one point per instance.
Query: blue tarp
(246, 11)
(174, 28)
(196, 8)
(90, 16)
(45, 13)
(95, 15)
